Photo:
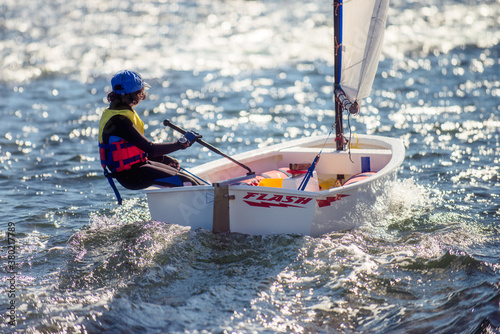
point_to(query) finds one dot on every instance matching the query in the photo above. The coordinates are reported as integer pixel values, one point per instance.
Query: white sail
(362, 37)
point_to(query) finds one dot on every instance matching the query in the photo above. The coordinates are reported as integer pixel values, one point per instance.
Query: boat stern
(186, 206)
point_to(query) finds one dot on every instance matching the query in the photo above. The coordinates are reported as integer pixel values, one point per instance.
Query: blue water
(246, 74)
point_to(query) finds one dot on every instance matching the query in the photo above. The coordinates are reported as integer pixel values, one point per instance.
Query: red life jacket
(120, 155)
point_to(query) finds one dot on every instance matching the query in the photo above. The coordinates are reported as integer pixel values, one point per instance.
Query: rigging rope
(345, 105)
(311, 168)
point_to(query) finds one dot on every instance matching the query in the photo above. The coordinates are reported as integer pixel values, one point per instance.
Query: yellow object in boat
(327, 184)
(275, 183)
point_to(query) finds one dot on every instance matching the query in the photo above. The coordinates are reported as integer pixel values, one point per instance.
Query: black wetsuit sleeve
(122, 127)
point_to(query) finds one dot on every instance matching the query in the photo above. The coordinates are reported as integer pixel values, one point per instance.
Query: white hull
(269, 210)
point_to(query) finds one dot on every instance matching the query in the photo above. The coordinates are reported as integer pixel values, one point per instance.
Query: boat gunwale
(395, 145)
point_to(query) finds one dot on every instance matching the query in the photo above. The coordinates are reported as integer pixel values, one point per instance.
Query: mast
(337, 43)
(357, 52)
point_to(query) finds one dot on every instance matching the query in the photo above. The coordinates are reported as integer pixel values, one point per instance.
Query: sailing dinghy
(308, 186)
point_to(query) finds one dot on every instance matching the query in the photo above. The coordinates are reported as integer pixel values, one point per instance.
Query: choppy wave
(123, 272)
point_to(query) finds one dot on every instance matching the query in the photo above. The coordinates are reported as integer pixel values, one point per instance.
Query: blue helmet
(125, 82)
